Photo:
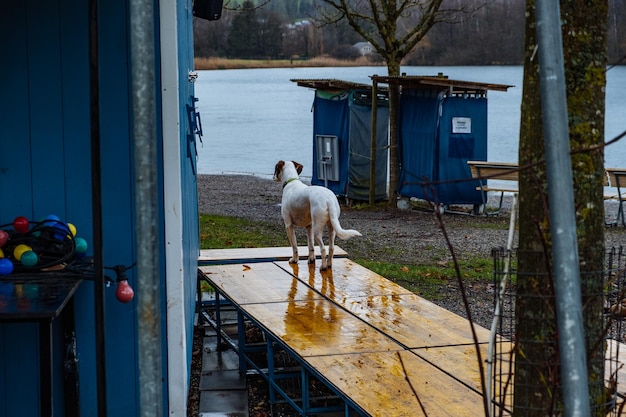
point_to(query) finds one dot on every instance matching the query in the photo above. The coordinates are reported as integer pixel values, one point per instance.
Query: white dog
(312, 207)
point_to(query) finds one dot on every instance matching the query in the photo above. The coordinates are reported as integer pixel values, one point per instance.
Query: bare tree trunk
(585, 45)
(537, 372)
(393, 69)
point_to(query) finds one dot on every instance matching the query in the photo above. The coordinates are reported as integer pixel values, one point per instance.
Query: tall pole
(96, 203)
(373, 128)
(562, 210)
(146, 201)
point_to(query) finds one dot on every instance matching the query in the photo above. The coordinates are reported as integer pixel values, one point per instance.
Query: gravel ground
(411, 237)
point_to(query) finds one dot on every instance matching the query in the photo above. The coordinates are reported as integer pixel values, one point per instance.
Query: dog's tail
(342, 233)
(345, 234)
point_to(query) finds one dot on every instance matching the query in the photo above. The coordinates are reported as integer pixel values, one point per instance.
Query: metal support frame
(271, 374)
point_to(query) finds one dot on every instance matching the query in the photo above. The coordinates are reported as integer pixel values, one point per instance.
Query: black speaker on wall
(208, 9)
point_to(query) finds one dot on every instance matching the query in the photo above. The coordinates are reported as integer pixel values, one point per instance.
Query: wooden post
(372, 195)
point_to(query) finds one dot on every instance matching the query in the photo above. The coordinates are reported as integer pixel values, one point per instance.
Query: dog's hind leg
(310, 240)
(291, 234)
(331, 244)
(318, 232)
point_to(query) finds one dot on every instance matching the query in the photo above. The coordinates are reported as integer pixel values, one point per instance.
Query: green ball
(81, 244)
(29, 258)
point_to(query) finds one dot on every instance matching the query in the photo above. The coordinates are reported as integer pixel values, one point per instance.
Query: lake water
(252, 118)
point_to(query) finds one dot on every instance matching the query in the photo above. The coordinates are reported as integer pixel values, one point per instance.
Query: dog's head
(284, 167)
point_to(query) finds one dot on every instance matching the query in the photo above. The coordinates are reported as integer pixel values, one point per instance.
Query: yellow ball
(72, 229)
(1, 253)
(19, 251)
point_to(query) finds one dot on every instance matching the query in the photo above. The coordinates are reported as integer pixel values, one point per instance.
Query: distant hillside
(286, 29)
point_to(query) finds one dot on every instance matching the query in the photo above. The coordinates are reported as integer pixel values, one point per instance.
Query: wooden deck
(391, 352)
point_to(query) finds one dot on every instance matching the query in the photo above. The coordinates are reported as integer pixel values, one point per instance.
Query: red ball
(20, 224)
(4, 236)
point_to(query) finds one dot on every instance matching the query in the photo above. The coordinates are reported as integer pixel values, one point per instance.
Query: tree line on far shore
(287, 29)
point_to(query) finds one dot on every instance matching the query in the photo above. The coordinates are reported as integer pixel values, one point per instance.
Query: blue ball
(60, 228)
(6, 266)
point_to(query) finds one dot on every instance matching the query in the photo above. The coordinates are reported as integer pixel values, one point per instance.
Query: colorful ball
(59, 228)
(72, 229)
(4, 236)
(6, 266)
(29, 258)
(19, 251)
(21, 224)
(81, 245)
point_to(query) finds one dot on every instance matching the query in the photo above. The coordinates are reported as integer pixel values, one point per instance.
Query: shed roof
(331, 84)
(441, 81)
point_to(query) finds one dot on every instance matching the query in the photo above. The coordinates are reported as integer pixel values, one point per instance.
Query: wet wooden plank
(462, 362)
(347, 279)
(414, 321)
(398, 384)
(257, 283)
(215, 256)
(397, 312)
(318, 327)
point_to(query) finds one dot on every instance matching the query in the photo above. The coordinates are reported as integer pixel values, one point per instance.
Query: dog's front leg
(310, 240)
(291, 234)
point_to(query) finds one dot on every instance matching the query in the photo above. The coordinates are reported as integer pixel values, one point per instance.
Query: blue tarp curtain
(417, 135)
(349, 119)
(360, 149)
(433, 153)
(455, 149)
(331, 117)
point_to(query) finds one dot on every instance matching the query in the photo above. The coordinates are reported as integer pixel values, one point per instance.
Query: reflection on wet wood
(347, 279)
(319, 327)
(257, 283)
(404, 316)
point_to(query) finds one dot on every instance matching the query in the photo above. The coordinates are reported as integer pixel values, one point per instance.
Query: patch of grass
(221, 232)
(425, 279)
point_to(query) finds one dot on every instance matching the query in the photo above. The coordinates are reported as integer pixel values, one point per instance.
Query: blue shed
(342, 138)
(442, 124)
(72, 112)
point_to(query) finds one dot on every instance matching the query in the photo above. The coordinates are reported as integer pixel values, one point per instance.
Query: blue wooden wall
(191, 236)
(45, 169)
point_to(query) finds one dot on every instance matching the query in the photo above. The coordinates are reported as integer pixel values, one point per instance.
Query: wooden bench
(616, 178)
(506, 173)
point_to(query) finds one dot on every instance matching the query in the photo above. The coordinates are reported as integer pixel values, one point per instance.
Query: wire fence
(505, 346)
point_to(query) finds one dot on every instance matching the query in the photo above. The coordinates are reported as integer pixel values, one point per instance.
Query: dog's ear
(278, 169)
(298, 166)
